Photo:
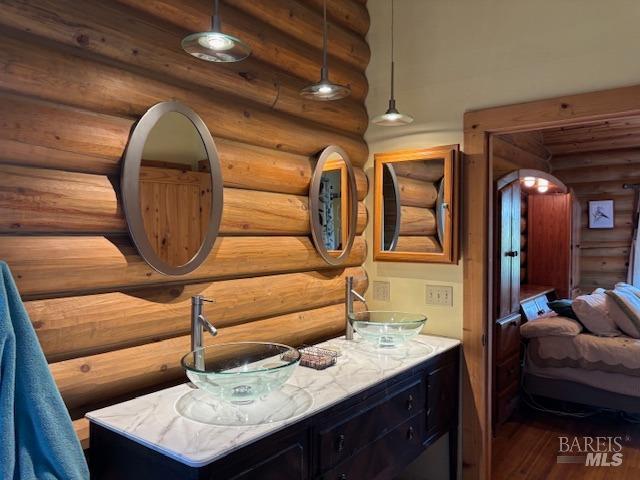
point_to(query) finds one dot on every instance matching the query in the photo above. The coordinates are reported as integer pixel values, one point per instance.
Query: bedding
(593, 312)
(624, 308)
(551, 326)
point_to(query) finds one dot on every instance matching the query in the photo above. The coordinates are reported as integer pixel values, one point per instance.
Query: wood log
(606, 235)
(592, 280)
(351, 14)
(87, 380)
(523, 241)
(605, 187)
(81, 427)
(417, 193)
(592, 159)
(532, 142)
(523, 225)
(627, 141)
(52, 136)
(155, 51)
(128, 94)
(418, 244)
(431, 171)
(608, 264)
(523, 258)
(267, 43)
(70, 327)
(599, 173)
(605, 249)
(46, 266)
(34, 200)
(417, 221)
(305, 24)
(517, 157)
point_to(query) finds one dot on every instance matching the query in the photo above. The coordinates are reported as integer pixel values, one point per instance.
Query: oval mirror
(333, 205)
(172, 188)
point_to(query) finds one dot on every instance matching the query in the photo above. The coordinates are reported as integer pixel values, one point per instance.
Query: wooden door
(576, 231)
(549, 241)
(509, 251)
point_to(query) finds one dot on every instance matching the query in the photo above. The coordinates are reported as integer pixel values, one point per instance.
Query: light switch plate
(381, 291)
(440, 295)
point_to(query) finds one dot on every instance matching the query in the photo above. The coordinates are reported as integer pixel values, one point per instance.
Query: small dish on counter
(387, 329)
(241, 372)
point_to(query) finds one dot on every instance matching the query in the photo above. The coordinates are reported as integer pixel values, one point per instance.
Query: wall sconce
(529, 181)
(543, 185)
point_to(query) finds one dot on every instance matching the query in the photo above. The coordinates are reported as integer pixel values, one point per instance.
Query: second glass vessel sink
(387, 329)
(241, 372)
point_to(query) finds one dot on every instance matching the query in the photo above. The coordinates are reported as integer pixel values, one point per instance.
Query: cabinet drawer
(507, 337)
(507, 403)
(508, 373)
(386, 457)
(341, 438)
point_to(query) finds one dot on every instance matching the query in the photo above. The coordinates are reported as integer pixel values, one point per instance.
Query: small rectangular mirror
(416, 205)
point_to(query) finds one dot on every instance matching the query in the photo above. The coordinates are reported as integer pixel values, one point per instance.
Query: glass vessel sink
(241, 372)
(387, 329)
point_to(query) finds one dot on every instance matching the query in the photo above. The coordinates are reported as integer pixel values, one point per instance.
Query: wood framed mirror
(172, 188)
(416, 205)
(333, 205)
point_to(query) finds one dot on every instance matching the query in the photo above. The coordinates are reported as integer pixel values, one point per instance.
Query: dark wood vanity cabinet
(371, 435)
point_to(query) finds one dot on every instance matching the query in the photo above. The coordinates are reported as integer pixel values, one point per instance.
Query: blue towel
(37, 439)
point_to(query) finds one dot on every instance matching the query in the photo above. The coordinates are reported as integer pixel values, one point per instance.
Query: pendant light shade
(215, 46)
(325, 90)
(392, 117)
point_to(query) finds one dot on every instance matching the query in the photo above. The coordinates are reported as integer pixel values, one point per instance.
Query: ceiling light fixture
(324, 90)
(392, 117)
(543, 185)
(215, 46)
(529, 181)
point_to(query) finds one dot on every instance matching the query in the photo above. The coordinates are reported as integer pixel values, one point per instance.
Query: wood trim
(478, 126)
(560, 187)
(449, 252)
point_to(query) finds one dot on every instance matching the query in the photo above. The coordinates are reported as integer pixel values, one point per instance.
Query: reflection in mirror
(172, 188)
(175, 189)
(333, 205)
(413, 206)
(334, 200)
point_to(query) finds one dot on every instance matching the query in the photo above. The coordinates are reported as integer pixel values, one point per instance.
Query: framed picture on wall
(601, 214)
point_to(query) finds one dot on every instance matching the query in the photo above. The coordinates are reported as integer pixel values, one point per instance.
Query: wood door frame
(479, 125)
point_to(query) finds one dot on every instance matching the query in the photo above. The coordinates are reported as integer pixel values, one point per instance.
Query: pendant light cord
(215, 22)
(392, 52)
(325, 72)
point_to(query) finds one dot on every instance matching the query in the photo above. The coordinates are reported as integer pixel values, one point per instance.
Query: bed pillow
(592, 311)
(624, 309)
(563, 308)
(551, 327)
(629, 288)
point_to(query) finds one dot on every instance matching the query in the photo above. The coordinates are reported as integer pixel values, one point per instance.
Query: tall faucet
(198, 323)
(350, 296)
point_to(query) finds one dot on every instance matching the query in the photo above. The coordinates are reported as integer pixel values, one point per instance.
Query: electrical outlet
(440, 295)
(381, 291)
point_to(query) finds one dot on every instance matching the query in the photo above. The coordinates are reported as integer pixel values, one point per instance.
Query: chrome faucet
(350, 296)
(198, 323)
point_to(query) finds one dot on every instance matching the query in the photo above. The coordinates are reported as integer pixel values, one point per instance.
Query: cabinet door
(442, 399)
(509, 249)
(291, 460)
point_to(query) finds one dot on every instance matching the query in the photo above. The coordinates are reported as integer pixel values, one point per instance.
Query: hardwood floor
(526, 447)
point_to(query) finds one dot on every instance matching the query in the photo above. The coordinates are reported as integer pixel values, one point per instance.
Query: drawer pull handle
(540, 312)
(410, 402)
(410, 433)
(341, 443)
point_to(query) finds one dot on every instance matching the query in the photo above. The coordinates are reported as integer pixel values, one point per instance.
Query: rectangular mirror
(416, 205)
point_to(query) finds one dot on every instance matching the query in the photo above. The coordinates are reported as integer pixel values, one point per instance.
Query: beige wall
(458, 55)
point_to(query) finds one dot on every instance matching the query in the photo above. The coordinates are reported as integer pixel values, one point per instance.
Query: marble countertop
(186, 425)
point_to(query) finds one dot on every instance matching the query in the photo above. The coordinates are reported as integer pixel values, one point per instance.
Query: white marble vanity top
(153, 420)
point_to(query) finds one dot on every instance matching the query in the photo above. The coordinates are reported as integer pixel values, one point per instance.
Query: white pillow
(624, 309)
(592, 311)
(629, 288)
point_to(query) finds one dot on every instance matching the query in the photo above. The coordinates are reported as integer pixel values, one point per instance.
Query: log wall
(75, 78)
(599, 175)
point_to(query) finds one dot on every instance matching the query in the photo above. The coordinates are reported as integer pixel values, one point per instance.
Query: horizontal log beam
(351, 14)
(129, 95)
(417, 193)
(592, 159)
(599, 173)
(45, 266)
(305, 24)
(97, 378)
(34, 200)
(425, 171)
(517, 157)
(608, 264)
(70, 327)
(425, 244)
(267, 44)
(417, 221)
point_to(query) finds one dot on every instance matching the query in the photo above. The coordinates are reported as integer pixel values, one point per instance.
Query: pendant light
(215, 46)
(392, 117)
(325, 90)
